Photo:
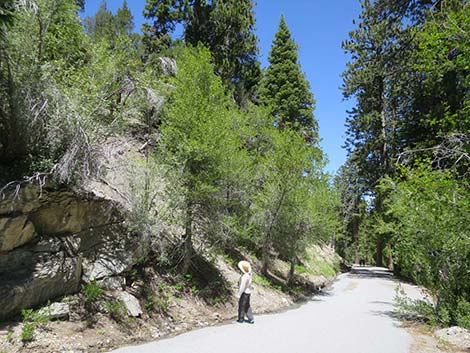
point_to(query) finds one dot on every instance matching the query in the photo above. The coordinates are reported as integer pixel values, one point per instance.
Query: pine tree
(165, 14)
(286, 90)
(102, 24)
(124, 20)
(80, 4)
(407, 75)
(226, 27)
(198, 25)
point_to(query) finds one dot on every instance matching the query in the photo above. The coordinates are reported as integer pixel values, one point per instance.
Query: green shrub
(462, 314)
(27, 332)
(9, 338)
(414, 310)
(92, 291)
(261, 280)
(32, 319)
(116, 309)
(430, 223)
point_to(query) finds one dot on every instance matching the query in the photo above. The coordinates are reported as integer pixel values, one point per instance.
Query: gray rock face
(131, 303)
(168, 66)
(51, 240)
(35, 278)
(458, 336)
(15, 231)
(113, 283)
(56, 311)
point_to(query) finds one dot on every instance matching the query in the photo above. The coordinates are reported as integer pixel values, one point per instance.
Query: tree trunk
(290, 276)
(265, 259)
(188, 250)
(390, 257)
(379, 253)
(265, 248)
(355, 230)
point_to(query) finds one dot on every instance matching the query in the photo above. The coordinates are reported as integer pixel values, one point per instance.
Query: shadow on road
(386, 313)
(371, 272)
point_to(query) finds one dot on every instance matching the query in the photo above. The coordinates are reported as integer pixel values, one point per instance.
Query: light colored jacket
(245, 284)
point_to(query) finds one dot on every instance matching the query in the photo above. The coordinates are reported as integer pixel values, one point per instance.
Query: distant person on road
(244, 293)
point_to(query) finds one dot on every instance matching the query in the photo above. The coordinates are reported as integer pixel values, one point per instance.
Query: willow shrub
(431, 241)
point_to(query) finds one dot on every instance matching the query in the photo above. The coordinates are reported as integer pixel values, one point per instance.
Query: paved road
(354, 316)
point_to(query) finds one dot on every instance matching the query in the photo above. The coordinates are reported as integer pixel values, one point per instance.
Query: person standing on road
(244, 293)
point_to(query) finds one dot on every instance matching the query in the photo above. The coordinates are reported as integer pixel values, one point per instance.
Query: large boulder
(33, 275)
(56, 311)
(131, 303)
(52, 239)
(15, 231)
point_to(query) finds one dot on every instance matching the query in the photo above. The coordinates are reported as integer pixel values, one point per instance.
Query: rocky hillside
(110, 284)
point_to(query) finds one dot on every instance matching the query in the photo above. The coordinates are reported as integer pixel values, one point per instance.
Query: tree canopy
(286, 90)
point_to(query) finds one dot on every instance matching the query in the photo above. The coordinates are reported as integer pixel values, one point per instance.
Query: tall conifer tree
(165, 14)
(101, 25)
(285, 88)
(124, 20)
(226, 27)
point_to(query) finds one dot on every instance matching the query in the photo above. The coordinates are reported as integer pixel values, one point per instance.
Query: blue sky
(318, 27)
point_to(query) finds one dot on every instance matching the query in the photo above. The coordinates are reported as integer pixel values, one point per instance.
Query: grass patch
(10, 338)
(33, 319)
(263, 281)
(301, 269)
(92, 291)
(116, 309)
(317, 265)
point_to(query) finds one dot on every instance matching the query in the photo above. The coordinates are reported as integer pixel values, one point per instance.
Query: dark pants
(244, 307)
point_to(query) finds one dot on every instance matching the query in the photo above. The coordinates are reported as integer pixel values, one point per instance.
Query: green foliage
(226, 27)
(27, 332)
(116, 309)
(286, 90)
(430, 226)
(32, 319)
(165, 15)
(224, 174)
(414, 309)
(320, 266)
(462, 314)
(26, 53)
(291, 206)
(409, 77)
(302, 269)
(124, 20)
(197, 141)
(263, 281)
(7, 9)
(106, 26)
(61, 91)
(92, 291)
(443, 56)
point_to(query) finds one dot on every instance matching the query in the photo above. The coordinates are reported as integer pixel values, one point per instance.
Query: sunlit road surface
(354, 316)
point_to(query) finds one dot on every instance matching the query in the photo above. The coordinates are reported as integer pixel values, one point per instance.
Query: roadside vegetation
(405, 186)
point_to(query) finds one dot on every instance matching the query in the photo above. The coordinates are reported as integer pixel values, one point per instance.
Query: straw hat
(244, 266)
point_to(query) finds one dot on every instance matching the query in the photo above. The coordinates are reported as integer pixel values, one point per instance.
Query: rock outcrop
(52, 239)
